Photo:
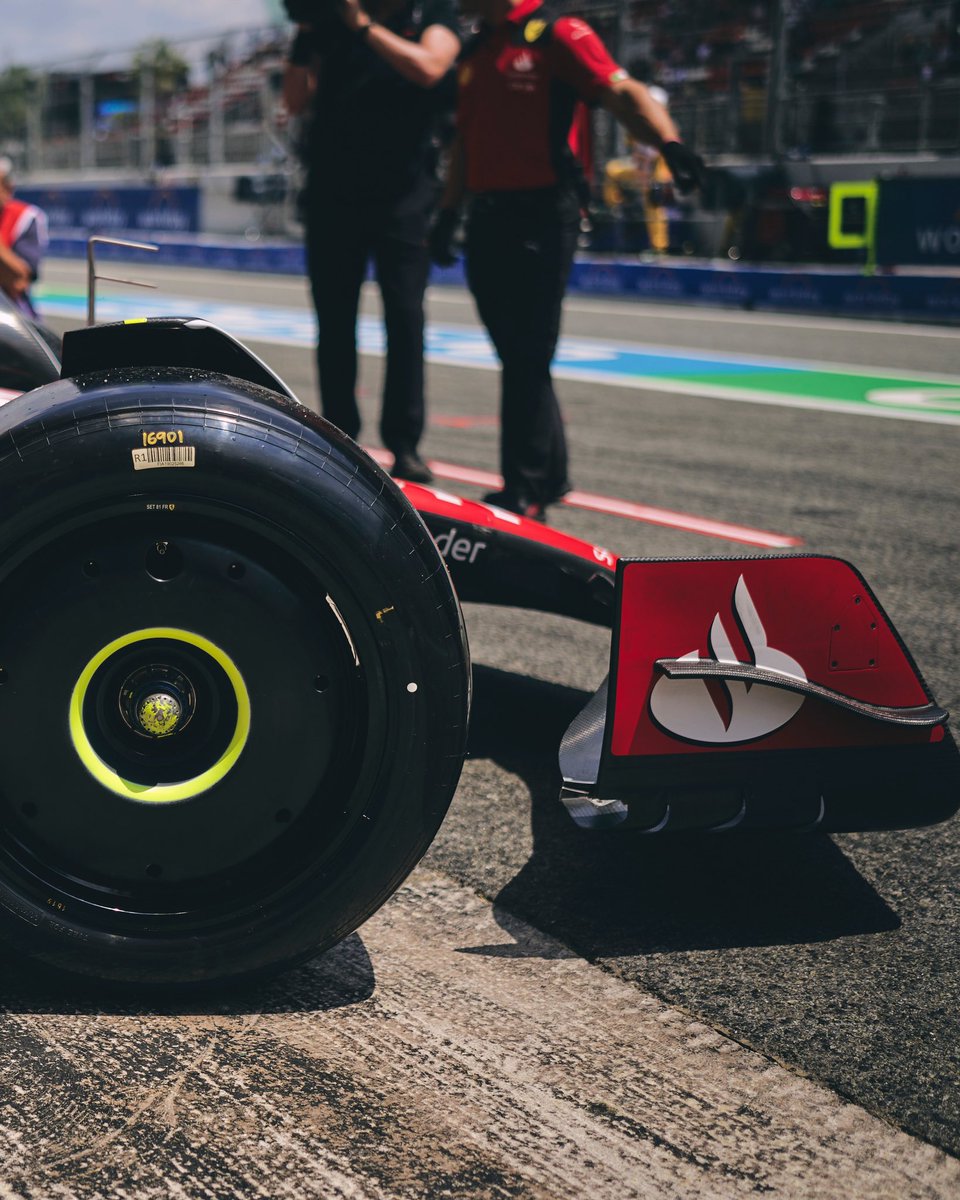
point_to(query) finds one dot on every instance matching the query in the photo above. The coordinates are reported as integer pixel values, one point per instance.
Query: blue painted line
(797, 384)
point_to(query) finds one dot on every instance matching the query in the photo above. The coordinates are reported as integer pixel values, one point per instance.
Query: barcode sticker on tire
(164, 456)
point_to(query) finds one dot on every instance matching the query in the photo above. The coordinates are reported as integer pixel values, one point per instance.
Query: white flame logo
(687, 707)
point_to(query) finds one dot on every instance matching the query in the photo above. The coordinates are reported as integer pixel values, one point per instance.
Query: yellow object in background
(852, 219)
(656, 215)
(620, 176)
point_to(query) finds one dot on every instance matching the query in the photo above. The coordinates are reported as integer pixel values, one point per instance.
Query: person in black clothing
(372, 79)
(520, 80)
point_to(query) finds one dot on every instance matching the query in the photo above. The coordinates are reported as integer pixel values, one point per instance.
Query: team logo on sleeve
(578, 29)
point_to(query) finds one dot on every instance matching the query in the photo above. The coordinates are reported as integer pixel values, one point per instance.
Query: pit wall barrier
(125, 211)
(931, 297)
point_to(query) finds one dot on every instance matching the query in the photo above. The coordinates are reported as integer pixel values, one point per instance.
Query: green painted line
(827, 385)
(725, 377)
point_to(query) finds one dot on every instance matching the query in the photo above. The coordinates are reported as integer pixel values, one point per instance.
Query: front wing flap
(757, 693)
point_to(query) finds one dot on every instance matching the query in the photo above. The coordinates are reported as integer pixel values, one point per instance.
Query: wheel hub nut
(157, 701)
(159, 714)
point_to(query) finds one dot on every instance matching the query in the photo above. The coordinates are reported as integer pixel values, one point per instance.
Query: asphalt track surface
(827, 965)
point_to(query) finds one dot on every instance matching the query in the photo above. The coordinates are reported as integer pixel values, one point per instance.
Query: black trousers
(341, 239)
(520, 248)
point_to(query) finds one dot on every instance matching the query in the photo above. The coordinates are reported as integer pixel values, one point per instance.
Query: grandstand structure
(121, 112)
(797, 77)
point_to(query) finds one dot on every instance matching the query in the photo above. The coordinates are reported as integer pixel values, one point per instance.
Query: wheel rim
(202, 842)
(109, 773)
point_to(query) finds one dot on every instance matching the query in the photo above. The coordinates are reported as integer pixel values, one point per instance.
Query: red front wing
(744, 693)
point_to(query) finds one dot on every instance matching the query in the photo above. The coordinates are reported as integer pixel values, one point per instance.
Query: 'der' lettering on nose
(458, 549)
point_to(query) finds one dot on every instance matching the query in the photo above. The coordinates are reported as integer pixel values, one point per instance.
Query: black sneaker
(559, 492)
(511, 501)
(410, 466)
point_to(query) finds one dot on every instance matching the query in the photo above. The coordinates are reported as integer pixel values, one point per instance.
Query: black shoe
(513, 502)
(558, 493)
(410, 466)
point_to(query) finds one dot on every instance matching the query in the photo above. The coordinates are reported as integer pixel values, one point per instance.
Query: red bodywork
(818, 611)
(435, 503)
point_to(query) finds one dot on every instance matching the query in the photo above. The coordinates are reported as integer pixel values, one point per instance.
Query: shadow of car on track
(615, 893)
(340, 977)
(607, 894)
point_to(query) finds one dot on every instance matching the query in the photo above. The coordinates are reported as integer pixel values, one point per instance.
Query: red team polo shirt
(518, 87)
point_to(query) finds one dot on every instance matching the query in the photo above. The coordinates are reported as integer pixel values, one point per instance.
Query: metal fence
(824, 121)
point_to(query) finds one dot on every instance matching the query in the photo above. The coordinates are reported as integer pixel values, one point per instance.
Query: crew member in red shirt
(23, 237)
(520, 80)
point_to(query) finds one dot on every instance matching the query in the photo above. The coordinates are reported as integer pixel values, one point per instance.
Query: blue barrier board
(934, 297)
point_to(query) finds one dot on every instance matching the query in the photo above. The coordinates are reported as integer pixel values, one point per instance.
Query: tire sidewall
(298, 477)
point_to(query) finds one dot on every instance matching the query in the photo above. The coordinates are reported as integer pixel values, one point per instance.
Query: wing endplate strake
(757, 693)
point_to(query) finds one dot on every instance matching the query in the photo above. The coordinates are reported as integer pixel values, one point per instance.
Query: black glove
(440, 238)
(686, 167)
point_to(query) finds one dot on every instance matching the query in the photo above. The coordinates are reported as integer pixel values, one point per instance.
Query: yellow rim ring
(159, 793)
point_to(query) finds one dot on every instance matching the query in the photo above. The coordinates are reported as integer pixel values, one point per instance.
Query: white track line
(612, 507)
(703, 314)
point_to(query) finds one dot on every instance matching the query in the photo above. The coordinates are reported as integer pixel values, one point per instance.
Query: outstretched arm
(648, 121)
(637, 111)
(424, 62)
(582, 60)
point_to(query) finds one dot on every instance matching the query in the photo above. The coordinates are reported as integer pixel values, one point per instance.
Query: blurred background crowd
(781, 98)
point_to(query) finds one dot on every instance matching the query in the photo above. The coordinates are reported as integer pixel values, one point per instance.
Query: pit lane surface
(451, 1046)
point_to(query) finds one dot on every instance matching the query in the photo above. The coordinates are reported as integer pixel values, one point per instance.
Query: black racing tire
(234, 680)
